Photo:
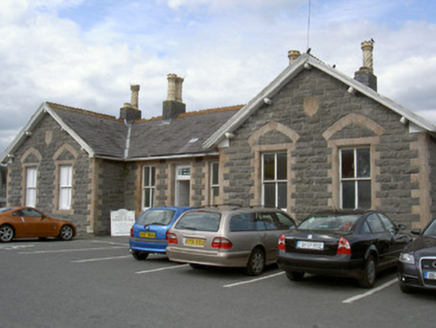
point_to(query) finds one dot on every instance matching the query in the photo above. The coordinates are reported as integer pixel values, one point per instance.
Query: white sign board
(121, 222)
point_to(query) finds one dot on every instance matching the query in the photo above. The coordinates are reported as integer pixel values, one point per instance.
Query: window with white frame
(148, 186)
(274, 180)
(355, 175)
(214, 183)
(31, 186)
(65, 186)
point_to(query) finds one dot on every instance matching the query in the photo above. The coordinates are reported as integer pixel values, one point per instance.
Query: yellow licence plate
(147, 234)
(194, 242)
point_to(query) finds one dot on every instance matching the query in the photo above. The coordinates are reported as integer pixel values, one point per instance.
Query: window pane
(363, 163)
(269, 195)
(281, 166)
(146, 176)
(31, 177)
(31, 197)
(147, 197)
(364, 194)
(282, 195)
(347, 163)
(215, 194)
(375, 223)
(153, 175)
(215, 171)
(242, 222)
(348, 194)
(285, 222)
(268, 167)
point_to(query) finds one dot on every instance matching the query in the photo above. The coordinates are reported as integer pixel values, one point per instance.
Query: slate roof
(106, 136)
(184, 135)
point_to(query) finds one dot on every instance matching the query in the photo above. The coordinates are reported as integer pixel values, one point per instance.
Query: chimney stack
(365, 74)
(130, 112)
(174, 105)
(293, 55)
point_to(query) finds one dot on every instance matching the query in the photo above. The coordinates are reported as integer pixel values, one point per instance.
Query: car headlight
(407, 258)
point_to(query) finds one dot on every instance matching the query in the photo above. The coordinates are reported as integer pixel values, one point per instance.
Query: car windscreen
(430, 231)
(199, 221)
(155, 217)
(340, 222)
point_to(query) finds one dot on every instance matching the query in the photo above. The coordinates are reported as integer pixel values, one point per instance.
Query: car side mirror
(416, 231)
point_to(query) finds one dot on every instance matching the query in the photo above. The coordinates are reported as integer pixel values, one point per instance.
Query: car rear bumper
(339, 265)
(147, 245)
(213, 258)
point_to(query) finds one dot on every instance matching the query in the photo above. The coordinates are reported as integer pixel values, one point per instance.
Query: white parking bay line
(253, 280)
(72, 250)
(162, 269)
(372, 291)
(102, 259)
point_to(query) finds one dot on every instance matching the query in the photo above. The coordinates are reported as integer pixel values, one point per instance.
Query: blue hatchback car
(148, 234)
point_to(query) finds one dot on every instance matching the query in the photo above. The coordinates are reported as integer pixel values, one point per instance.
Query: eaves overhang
(158, 157)
(27, 130)
(307, 61)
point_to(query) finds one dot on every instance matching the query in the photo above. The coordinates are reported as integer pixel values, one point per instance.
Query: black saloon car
(417, 264)
(353, 244)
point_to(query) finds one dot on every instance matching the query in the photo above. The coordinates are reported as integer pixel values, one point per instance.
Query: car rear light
(344, 246)
(131, 232)
(172, 238)
(221, 243)
(282, 243)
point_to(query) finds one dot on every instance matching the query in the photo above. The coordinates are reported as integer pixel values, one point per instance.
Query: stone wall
(312, 118)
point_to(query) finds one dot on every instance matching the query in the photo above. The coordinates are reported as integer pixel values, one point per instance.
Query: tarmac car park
(95, 282)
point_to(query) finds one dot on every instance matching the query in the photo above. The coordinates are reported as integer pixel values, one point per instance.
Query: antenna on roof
(308, 24)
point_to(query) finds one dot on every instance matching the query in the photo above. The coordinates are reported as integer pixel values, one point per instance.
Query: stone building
(312, 139)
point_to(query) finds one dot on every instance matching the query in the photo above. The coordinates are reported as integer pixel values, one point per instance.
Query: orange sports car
(28, 222)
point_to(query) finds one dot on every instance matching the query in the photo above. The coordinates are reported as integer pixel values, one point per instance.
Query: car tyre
(66, 233)
(369, 273)
(7, 233)
(139, 256)
(294, 275)
(256, 262)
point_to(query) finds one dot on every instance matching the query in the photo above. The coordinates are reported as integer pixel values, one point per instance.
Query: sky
(87, 53)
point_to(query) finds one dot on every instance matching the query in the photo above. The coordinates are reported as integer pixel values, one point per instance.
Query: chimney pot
(134, 88)
(293, 55)
(367, 48)
(174, 105)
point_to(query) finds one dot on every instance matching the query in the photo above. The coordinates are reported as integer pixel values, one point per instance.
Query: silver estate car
(228, 236)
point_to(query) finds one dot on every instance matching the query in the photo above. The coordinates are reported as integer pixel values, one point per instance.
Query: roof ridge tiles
(81, 111)
(199, 112)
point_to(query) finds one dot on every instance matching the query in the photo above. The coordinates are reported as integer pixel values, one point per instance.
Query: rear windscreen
(155, 217)
(329, 222)
(199, 221)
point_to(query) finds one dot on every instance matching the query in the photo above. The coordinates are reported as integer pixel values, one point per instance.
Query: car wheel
(6, 233)
(294, 276)
(369, 273)
(139, 256)
(256, 262)
(66, 233)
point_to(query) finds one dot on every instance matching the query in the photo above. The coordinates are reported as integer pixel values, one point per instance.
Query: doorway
(183, 185)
